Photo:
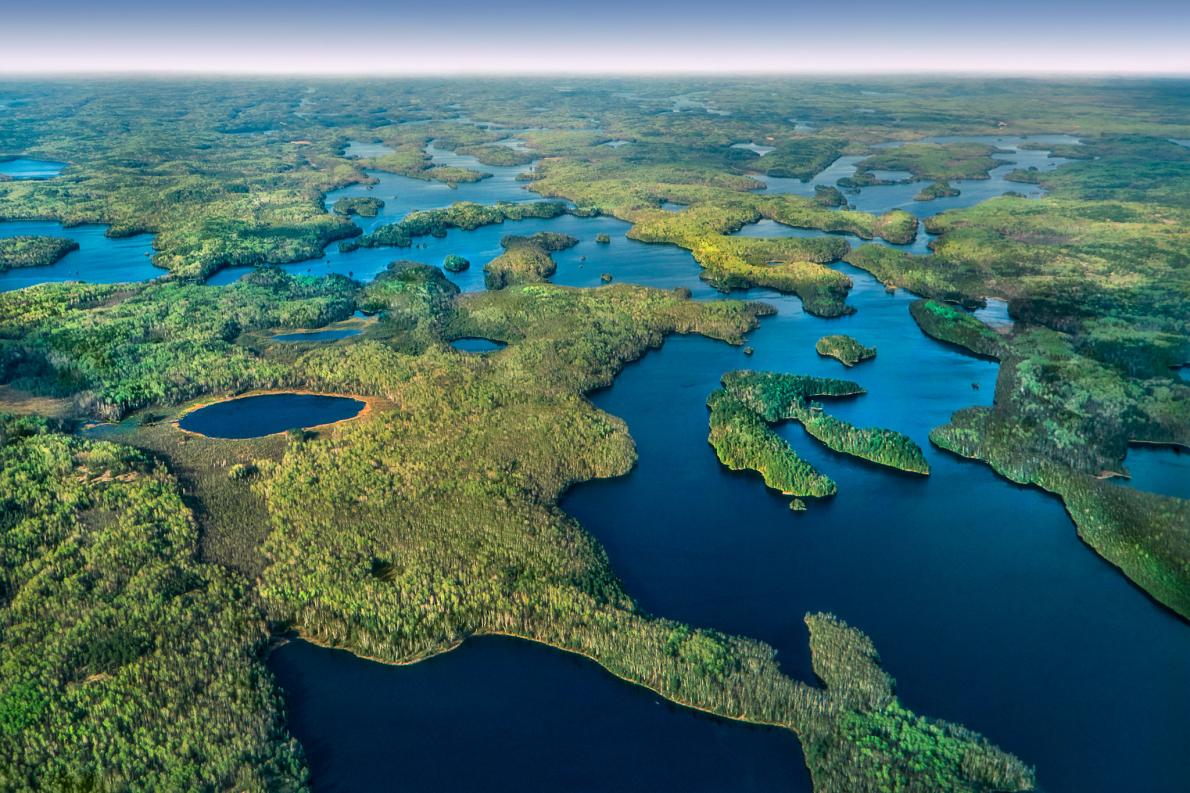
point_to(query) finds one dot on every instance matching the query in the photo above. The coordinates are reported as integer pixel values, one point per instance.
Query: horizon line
(580, 73)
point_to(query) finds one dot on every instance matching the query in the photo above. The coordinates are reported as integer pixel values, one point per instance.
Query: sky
(394, 37)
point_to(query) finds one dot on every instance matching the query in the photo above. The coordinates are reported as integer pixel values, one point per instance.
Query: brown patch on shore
(24, 403)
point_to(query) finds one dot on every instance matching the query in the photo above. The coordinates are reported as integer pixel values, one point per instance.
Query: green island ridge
(845, 349)
(462, 215)
(954, 326)
(364, 206)
(777, 397)
(743, 441)
(940, 189)
(33, 251)
(939, 162)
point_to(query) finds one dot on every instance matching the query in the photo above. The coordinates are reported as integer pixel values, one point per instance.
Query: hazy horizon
(615, 37)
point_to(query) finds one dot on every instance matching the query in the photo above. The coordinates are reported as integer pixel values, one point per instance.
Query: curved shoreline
(369, 402)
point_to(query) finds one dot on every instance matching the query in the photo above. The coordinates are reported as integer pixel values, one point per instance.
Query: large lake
(979, 595)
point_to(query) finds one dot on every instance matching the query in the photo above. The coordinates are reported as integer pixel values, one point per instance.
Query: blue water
(99, 259)
(981, 599)
(478, 345)
(766, 228)
(1158, 469)
(403, 194)
(995, 314)
(317, 335)
(255, 416)
(882, 198)
(24, 168)
(530, 719)
(627, 260)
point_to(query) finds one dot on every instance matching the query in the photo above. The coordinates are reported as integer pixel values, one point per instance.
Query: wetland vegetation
(144, 569)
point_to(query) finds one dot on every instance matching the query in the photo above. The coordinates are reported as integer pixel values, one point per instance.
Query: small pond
(753, 147)
(265, 414)
(333, 334)
(477, 345)
(25, 168)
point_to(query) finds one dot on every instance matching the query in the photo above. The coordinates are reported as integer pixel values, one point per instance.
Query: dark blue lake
(981, 599)
(478, 345)
(99, 259)
(505, 715)
(317, 335)
(24, 168)
(254, 416)
(979, 595)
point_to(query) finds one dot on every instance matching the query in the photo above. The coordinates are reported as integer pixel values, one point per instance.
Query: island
(844, 349)
(33, 251)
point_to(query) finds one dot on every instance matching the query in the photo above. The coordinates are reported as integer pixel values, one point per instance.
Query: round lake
(265, 414)
(475, 344)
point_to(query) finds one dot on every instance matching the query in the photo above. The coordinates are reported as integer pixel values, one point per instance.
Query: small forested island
(772, 398)
(364, 206)
(941, 189)
(844, 349)
(152, 576)
(30, 251)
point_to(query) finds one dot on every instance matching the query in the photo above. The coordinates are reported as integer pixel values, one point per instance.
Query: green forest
(146, 572)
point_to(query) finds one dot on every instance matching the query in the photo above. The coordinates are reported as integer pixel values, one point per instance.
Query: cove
(265, 414)
(99, 259)
(1157, 469)
(403, 194)
(500, 714)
